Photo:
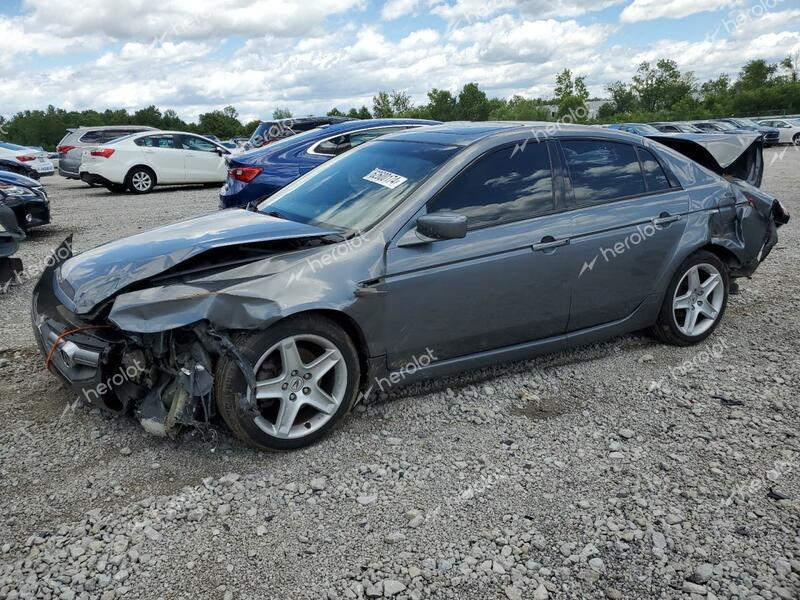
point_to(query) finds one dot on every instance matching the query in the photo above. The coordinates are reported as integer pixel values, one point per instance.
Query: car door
(628, 216)
(162, 153)
(499, 286)
(204, 161)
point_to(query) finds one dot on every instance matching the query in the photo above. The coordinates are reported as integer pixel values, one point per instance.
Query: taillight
(26, 158)
(64, 149)
(245, 174)
(102, 152)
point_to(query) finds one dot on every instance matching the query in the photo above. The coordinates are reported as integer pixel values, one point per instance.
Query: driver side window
(503, 186)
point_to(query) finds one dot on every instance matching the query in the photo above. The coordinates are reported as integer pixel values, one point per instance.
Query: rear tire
(140, 180)
(796, 139)
(695, 301)
(309, 375)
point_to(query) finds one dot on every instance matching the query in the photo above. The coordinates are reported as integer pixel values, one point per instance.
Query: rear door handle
(548, 243)
(665, 219)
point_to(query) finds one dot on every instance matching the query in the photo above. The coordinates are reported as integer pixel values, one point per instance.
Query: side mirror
(435, 227)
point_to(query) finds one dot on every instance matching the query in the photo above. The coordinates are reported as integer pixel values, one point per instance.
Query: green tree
(281, 113)
(755, 74)
(441, 105)
(623, 98)
(401, 103)
(363, 113)
(472, 104)
(659, 87)
(222, 123)
(335, 112)
(382, 105)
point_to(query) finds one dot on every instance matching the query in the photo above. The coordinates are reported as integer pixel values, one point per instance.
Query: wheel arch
(143, 166)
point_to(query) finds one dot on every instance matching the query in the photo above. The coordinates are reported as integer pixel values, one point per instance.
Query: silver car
(70, 148)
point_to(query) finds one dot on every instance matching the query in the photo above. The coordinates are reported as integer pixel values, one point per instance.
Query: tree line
(657, 91)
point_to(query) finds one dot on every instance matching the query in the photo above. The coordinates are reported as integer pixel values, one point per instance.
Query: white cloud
(648, 10)
(18, 38)
(472, 10)
(185, 19)
(394, 9)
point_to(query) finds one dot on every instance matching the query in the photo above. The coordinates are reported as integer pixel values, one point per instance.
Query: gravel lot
(623, 470)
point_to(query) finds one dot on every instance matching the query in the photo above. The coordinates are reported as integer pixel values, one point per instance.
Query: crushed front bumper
(78, 352)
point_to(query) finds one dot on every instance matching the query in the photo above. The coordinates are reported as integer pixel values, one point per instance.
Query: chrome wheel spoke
(270, 388)
(710, 284)
(683, 302)
(690, 320)
(320, 367)
(287, 414)
(708, 311)
(290, 356)
(322, 401)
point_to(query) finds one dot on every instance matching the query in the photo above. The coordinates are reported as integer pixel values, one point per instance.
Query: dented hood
(737, 156)
(96, 275)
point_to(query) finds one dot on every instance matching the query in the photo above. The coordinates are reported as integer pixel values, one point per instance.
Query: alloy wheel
(698, 299)
(300, 383)
(141, 181)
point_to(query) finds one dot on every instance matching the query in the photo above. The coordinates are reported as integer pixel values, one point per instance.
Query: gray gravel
(598, 473)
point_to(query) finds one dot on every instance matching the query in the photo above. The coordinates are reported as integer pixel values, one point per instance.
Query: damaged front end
(10, 236)
(166, 379)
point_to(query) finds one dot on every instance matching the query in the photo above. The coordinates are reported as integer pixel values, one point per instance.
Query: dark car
(10, 236)
(719, 127)
(258, 174)
(12, 166)
(268, 132)
(771, 134)
(416, 255)
(675, 127)
(27, 198)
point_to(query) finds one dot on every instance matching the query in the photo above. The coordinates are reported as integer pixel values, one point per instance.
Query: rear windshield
(355, 191)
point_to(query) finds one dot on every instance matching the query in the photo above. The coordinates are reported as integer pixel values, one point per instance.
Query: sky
(311, 55)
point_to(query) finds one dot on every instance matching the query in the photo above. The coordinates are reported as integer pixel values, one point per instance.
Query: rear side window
(501, 187)
(93, 137)
(602, 171)
(654, 176)
(196, 143)
(156, 141)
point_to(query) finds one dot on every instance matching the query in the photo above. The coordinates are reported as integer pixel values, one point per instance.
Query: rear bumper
(94, 179)
(68, 174)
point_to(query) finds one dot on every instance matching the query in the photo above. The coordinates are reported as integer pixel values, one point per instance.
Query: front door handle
(665, 219)
(549, 243)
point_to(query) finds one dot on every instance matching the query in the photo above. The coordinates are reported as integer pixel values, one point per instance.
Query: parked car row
(770, 134)
(23, 206)
(367, 251)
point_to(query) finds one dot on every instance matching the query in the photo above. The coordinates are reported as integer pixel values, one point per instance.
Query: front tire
(695, 301)
(308, 373)
(140, 180)
(796, 139)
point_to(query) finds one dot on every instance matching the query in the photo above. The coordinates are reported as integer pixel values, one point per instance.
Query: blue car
(635, 128)
(258, 174)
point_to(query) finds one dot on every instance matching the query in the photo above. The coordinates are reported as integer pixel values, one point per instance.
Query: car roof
(459, 133)
(113, 127)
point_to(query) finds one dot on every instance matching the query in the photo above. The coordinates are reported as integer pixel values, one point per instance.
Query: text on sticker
(385, 178)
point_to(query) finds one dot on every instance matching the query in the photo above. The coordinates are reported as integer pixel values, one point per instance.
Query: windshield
(355, 191)
(724, 126)
(746, 123)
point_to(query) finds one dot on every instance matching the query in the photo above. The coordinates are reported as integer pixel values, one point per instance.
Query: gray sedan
(416, 255)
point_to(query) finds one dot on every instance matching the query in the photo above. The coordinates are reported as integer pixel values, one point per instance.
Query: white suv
(142, 161)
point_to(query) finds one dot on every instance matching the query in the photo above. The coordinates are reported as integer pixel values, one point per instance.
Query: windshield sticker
(385, 178)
